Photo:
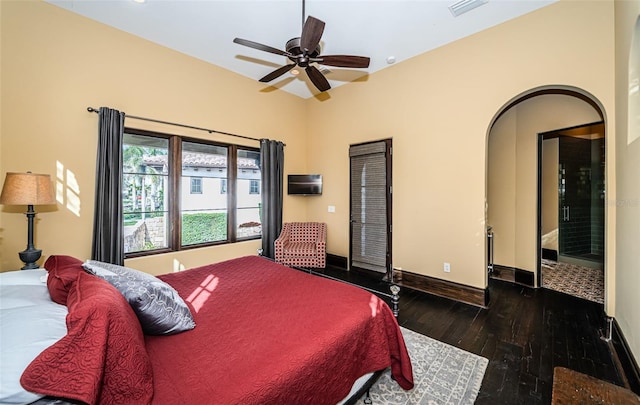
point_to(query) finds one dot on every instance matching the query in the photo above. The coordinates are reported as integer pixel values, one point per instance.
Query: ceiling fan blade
(317, 78)
(277, 73)
(344, 61)
(311, 34)
(260, 47)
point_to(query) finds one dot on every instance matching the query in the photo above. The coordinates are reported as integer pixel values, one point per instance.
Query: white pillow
(29, 323)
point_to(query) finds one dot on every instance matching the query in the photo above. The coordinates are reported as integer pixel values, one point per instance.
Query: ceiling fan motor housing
(293, 47)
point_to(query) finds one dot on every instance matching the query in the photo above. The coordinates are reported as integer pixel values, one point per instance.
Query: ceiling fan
(305, 50)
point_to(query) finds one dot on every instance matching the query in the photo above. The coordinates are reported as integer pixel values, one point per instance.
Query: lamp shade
(27, 189)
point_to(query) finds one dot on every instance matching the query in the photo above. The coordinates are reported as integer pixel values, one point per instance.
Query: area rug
(443, 374)
(582, 282)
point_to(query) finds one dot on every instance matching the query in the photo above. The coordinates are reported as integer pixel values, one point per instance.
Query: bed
(249, 331)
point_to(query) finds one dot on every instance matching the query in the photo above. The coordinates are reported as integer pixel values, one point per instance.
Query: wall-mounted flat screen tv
(304, 184)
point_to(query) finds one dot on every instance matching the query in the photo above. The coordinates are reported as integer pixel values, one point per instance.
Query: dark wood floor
(524, 333)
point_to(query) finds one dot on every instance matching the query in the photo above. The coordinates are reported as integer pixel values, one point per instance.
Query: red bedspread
(268, 334)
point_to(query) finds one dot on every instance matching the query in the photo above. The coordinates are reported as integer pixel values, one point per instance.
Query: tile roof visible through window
(195, 159)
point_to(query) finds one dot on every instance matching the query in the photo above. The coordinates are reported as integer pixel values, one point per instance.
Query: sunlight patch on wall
(177, 266)
(634, 85)
(67, 189)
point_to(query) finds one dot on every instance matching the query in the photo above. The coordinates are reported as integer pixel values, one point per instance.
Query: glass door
(581, 194)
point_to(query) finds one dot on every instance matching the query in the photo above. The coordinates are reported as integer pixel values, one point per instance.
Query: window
(248, 192)
(254, 187)
(144, 192)
(170, 193)
(204, 217)
(196, 185)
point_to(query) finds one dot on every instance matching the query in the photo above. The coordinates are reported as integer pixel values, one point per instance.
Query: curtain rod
(211, 131)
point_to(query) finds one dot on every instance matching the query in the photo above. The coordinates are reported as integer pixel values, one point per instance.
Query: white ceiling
(205, 29)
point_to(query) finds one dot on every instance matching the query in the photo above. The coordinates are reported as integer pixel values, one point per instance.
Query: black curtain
(272, 169)
(108, 243)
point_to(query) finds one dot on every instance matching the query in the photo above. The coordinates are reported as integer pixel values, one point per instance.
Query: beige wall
(512, 196)
(501, 190)
(55, 64)
(627, 200)
(438, 108)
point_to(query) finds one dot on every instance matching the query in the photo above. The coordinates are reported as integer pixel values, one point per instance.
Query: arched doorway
(513, 189)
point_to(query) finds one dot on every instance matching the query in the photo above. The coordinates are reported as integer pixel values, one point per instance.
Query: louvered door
(370, 196)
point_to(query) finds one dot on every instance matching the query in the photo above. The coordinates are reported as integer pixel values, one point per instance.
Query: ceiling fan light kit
(304, 51)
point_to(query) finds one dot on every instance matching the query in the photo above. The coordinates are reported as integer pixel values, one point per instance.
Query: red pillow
(102, 359)
(63, 271)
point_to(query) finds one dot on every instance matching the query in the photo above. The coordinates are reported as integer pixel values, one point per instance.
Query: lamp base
(30, 257)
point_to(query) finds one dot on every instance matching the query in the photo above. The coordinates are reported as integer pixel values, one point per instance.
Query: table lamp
(28, 189)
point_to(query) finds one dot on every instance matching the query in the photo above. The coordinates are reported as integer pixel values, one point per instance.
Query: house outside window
(196, 185)
(195, 214)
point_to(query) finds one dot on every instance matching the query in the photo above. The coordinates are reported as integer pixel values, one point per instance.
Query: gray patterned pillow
(159, 308)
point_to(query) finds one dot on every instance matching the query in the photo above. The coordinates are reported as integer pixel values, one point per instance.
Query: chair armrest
(321, 240)
(278, 244)
(282, 239)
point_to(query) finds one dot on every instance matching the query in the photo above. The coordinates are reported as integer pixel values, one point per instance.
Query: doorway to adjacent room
(571, 199)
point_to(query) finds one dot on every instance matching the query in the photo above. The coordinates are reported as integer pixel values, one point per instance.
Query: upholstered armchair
(302, 244)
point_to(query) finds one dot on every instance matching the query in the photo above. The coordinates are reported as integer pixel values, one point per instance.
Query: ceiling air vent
(463, 6)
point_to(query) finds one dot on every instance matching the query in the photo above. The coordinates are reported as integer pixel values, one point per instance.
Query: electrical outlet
(447, 267)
